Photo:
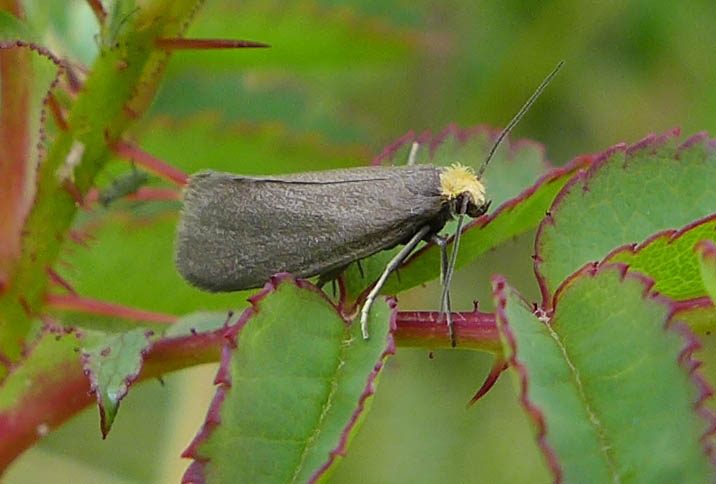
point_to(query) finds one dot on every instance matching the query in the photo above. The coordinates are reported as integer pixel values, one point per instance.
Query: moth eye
(475, 211)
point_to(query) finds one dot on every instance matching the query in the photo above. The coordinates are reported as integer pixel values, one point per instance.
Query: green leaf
(303, 37)
(12, 29)
(706, 257)
(118, 88)
(625, 197)
(244, 148)
(49, 384)
(668, 258)
(198, 322)
(518, 181)
(699, 314)
(292, 390)
(322, 66)
(27, 74)
(39, 393)
(112, 364)
(608, 380)
(50, 352)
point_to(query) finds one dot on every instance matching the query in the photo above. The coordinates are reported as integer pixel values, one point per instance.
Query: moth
(237, 231)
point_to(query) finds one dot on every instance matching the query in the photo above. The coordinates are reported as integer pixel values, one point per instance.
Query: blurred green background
(341, 80)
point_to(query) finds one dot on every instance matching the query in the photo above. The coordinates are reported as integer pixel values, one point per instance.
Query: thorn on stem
(178, 43)
(150, 163)
(98, 10)
(498, 367)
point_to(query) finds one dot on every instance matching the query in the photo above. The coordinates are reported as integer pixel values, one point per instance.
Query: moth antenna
(519, 116)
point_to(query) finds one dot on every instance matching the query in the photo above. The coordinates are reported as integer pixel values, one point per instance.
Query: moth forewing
(236, 231)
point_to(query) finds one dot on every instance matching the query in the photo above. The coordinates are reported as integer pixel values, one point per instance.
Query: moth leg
(445, 299)
(413, 153)
(360, 269)
(330, 276)
(392, 265)
(445, 304)
(442, 243)
(448, 316)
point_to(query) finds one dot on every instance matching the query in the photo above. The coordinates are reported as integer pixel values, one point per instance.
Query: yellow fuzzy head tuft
(459, 179)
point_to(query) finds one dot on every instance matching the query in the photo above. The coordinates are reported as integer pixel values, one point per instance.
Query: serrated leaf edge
(685, 358)
(195, 471)
(671, 235)
(369, 391)
(499, 285)
(462, 135)
(129, 379)
(583, 177)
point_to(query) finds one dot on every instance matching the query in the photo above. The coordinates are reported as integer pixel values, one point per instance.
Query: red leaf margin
(706, 248)
(129, 379)
(580, 162)
(461, 135)
(650, 142)
(682, 308)
(66, 390)
(671, 235)
(499, 285)
(691, 342)
(69, 385)
(195, 473)
(16, 202)
(685, 358)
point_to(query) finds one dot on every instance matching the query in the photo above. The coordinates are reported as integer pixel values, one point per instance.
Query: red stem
(72, 302)
(474, 330)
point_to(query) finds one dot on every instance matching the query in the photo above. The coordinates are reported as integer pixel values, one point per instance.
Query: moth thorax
(460, 181)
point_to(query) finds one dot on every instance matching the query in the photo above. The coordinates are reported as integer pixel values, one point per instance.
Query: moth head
(459, 182)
